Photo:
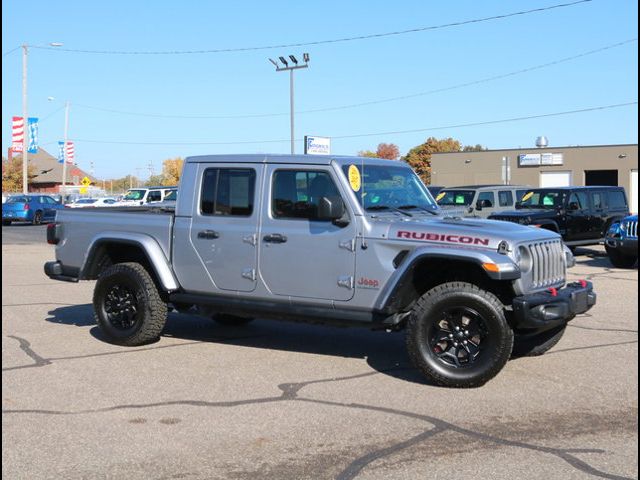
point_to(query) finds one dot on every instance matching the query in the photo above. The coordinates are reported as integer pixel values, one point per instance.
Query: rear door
(598, 213)
(301, 256)
(224, 228)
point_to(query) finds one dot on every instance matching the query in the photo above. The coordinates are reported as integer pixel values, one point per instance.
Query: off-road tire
(426, 317)
(619, 260)
(150, 312)
(535, 345)
(37, 218)
(6, 222)
(231, 320)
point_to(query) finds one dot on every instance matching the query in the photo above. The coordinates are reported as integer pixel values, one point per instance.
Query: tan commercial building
(542, 167)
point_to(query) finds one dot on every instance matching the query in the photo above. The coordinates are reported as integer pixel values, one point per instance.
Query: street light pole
(291, 68)
(63, 188)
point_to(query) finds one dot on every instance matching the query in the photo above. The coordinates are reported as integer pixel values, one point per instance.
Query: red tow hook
(553, 292)
(583, 283)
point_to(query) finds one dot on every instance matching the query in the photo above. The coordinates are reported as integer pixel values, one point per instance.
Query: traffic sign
(86, 182)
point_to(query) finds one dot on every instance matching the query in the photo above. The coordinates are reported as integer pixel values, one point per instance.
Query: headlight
(568, 256)
(525, 260)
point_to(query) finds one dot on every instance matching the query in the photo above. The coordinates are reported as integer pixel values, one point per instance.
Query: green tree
(367, 153)
(419, 158)
(155, 180)
(473, 148)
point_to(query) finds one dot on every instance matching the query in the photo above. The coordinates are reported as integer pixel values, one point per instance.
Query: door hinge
(348, 244)
(251, 239)
(345, 281)
(249, 274)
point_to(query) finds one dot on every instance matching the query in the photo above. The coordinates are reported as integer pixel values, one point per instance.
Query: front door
(578, 226)
(598, 213)
(301, 256)
(224, 228)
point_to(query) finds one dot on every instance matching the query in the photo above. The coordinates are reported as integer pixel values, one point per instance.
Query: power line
(396, 132)
(372, 102)
(10, 51)
(320, 42)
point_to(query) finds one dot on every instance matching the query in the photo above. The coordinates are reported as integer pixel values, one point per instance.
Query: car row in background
(622, 242)
(92, 202)
(480, 200)
(145, 195)
(31, 208)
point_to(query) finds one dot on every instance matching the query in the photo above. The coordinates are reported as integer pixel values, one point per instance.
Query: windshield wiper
(409, 207)
(385, 207)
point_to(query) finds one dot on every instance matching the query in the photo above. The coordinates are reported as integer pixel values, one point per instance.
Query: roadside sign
(86, 182)
(83, 190)
(317, 145)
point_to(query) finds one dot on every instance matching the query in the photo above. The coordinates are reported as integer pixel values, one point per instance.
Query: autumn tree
(171, 171)
(473, 148)
(367, 154)
(419, 158)
(12, 175)
(389, 151)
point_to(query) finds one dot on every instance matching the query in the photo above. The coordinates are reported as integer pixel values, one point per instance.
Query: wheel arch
(111, 248)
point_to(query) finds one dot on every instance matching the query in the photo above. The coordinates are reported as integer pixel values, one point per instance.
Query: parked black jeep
(582, 215)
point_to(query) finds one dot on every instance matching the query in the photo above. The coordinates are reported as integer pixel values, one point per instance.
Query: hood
(526, 212)
(470, 232)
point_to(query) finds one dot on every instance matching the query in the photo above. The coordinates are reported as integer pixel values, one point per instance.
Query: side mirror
(574, 206)
(330, 208)
(480, 204)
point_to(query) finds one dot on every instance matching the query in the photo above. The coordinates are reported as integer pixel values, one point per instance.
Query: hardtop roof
(293, 159)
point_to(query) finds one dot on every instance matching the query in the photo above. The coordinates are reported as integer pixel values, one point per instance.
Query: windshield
(87, 200)
(134, 195)
(459, 198)
(378, 187)
(542, 199)
(18, 200)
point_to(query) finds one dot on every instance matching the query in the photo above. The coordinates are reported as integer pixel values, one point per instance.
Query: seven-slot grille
(631, 228)
(547, 263)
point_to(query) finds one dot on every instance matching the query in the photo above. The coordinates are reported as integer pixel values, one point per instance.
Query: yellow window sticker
(354, 178)
(440, 196)
(527, 196)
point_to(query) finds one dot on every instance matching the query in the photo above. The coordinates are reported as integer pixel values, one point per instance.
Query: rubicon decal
(439, 237)
(368, 283)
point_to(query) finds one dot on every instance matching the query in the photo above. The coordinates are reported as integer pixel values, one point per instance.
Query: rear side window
(296, 193)
(617, 199)
(578, 201)
(154, 196)
(505, 198)
(228, 192)
(597, 200)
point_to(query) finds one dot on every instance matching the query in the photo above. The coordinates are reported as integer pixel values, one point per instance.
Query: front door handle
(275, 238)
(208, 234)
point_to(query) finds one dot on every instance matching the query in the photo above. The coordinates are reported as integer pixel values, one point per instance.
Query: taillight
(52, 233)
(26, 206)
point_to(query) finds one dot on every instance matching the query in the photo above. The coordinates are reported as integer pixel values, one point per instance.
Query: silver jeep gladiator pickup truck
(325, 239)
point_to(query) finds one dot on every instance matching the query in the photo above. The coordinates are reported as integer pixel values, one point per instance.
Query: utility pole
(25, 143)
(64, 149)
(291, 68)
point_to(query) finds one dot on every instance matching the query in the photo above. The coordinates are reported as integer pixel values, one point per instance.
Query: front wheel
(6, 222)
(127, 305)
(458, 336)
(37, 218)
(620, 260)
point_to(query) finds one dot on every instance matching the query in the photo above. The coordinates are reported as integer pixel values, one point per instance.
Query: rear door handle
(275, 238)
(208, 234)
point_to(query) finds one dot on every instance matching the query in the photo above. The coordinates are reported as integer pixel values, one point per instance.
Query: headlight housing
(570, 260)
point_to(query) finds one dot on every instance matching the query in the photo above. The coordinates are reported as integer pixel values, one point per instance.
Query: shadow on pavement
(384, 352)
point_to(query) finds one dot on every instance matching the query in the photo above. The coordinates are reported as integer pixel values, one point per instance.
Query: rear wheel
(37, 218)
(127, 305)
(620, 260)
(458, 336)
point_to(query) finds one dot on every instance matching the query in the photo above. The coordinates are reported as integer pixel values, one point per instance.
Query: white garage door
(634, 191)
(555, 179)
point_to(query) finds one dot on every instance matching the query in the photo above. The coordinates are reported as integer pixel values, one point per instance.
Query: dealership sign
(537, 159)
(317, 145)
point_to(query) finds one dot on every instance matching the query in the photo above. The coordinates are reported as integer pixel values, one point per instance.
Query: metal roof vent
(542, 142)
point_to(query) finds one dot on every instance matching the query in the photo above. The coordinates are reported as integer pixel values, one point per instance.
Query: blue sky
(167, 88)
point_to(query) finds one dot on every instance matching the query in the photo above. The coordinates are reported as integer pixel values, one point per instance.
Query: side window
(154, 196)
(228, 191)
(505, 198)
(597, 200)
(487, 196)
(578, 201)
(520, 194)
(617, 200)
(297, 193)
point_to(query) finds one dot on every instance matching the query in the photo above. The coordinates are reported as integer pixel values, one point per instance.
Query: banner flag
(17, 134)
(60, 152)
(70, 152)
(33, 135)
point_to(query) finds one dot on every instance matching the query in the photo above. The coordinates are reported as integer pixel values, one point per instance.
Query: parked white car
(92, 202)
(145, 195)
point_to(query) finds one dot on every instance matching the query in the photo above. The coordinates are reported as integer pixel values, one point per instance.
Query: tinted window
(18, 200)
(154, 196)
(579, 200)
(296, 193)
(520, 194)
(228, 191)
(597, 200)
(455, 197)
(617, 200)
(487, 196)
(505, 198)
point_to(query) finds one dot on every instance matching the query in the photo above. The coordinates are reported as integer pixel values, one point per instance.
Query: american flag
(17, 135)
(70, 152)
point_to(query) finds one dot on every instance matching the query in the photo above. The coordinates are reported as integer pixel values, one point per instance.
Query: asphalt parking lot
(283, 400)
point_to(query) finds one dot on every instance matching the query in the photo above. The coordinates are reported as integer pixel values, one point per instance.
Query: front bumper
(541, 311)
(626, 246)
(16, 216)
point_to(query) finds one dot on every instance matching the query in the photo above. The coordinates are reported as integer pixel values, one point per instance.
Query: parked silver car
(480, 200)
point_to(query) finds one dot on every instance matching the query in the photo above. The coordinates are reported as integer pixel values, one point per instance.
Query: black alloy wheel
(457, 339)
(121, 307)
